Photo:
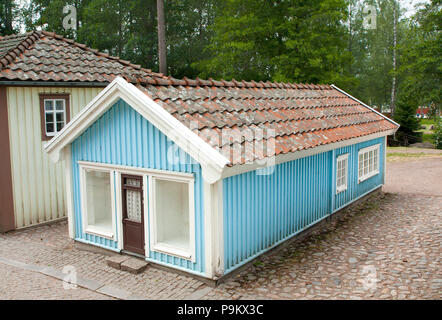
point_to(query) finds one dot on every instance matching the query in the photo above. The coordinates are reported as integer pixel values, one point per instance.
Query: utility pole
(161, 37)
(393, 86)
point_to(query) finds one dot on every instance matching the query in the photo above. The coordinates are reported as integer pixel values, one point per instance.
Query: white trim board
(343, 187)
(166, 248)
(91, 229)
(212, 162)
(375, 171)
(137, 171)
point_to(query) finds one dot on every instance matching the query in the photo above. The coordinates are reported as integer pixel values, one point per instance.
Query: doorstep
(126, 263)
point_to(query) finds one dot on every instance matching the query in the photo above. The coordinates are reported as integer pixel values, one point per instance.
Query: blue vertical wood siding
(261, 211)
(123, 137)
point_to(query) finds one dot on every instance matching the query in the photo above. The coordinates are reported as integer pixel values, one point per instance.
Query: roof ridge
(155, 78)
(197, 82)
(28, 41)
(102, 54)
(31, 37)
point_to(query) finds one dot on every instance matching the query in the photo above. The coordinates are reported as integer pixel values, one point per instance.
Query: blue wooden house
(204, 175)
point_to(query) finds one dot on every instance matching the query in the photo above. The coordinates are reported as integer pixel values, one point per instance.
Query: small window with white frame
(54, 114)
(97, 199)
(368, 162)
(172, 230)
(341, 173)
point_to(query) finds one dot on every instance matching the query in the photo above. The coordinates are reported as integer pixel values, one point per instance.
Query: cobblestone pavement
(388, 247)
(19, 284)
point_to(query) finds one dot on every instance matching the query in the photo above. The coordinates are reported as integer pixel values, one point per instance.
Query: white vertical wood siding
(38, 184)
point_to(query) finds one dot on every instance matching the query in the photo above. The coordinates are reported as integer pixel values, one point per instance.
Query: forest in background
(369, 48)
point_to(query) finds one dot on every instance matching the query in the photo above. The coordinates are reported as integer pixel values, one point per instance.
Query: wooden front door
(133, 215)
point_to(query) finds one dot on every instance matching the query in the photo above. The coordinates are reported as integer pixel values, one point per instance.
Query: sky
(409, 5)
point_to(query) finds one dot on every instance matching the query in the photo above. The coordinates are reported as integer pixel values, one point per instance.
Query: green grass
(427, 122)
(405, 155)
(431, 138)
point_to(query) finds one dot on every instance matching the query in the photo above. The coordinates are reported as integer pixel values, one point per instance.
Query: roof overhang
(291, 156)
(211, 161)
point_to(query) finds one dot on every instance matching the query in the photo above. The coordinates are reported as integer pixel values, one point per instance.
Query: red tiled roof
(255, 116)
(292, 117)
(46, 56)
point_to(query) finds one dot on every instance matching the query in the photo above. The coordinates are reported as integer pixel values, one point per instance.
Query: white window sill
(342, 189)
(100, 231)
(174, 251)
(361, 179)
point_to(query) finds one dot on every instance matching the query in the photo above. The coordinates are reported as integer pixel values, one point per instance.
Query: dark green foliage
(421, 66)
(7, 14)
(422, 58)
(294, 40)
(315, 41)
(128, 29)
(438, 134)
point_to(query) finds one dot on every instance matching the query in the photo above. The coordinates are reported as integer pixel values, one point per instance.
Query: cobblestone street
(388, 247)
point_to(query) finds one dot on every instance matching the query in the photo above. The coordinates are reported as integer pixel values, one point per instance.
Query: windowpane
(133, 203)
(49, 117)
(370, 164)
(60, 116)
(49, 105)
(49, 128)
(59, 105)
(341, 175)
(172, 213)
(365, 163)
(60, 126)
(98, 193)
(371, 161)
(376, 160)
(132, 182)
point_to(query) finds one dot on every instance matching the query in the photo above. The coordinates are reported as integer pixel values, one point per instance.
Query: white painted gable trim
(212, 161)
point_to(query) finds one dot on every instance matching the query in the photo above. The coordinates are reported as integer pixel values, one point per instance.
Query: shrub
(438, 134)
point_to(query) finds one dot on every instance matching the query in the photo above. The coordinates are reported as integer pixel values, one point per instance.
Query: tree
(373, 50)
(189, 33)
(291, 40)
(106, 26)
(7, 13)
(48, 15)
(393, 85)
(129, 28)
(421, 65)
(162, 51)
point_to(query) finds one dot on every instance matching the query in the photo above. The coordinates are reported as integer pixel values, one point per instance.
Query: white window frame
(375, 171)
(163, 247)
(90, 229)
(149, 214)
(344, 159)
(54, 113)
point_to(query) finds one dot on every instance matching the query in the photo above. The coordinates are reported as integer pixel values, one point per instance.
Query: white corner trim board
(211, 160)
